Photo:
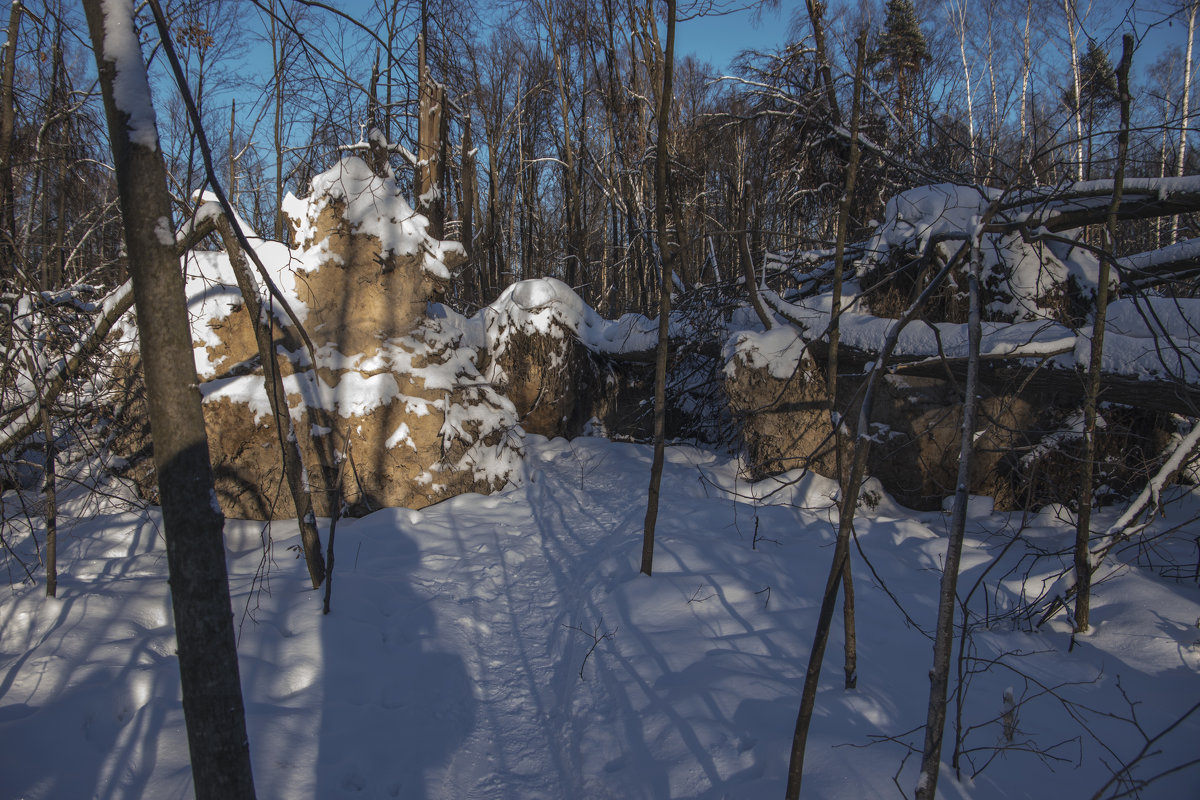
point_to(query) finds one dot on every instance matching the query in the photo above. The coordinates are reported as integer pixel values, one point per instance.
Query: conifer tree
(1098, 93)
(902, 51)
(1098, 82)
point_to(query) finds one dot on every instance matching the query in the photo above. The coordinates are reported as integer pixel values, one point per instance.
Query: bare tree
(8, 65)
(939, 673)
(1082, 555)
(666, 250)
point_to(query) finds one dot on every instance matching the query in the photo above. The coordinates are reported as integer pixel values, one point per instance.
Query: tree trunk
(49, 491)
(430, 164)
(469, 193)
(1083, 530)
(1069, 11)
(277, 56)
(850, 667)
(8, 115)
(571, 193)
(846, 508)
(851, 484)
(232, 152)
(958, 15)
(665, 249)
(745, 257)
(816, 17)
(1183, 116)
(1026, 70)
(192, 522)
(289, 448)
(939, 674)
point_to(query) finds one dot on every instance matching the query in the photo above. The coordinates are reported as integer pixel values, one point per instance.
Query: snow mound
(913, 217)
(374, 205)
(549, 307)
(778, 350)
(1151, 338)
(507, 647)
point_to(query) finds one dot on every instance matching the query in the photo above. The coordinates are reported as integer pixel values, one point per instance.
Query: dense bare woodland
(927, 272)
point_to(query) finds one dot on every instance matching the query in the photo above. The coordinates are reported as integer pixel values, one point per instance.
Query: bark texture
(192, 522)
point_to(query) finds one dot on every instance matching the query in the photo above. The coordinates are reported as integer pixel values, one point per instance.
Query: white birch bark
(958, 17)
(1185, 107)
(1026, 69)
(1069, 11)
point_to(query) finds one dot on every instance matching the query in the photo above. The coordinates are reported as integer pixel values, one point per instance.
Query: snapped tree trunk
(192, 521)
(430, 146)
(469, 194)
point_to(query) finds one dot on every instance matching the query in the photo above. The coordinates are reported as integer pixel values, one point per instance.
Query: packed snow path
(450, 666)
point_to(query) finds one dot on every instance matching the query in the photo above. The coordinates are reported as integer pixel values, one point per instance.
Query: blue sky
(718, 39)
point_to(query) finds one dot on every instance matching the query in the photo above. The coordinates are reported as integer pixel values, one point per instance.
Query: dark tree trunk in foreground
(939, 674)
(1083, 530)
(850, 665)
(237, 247)
(192, 521)
(851, 484)
(8, 112)
(662, 174)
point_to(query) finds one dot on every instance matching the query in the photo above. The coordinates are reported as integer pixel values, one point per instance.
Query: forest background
(549, 136)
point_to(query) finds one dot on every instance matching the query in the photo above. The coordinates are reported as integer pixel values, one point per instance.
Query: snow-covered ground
(506, 647)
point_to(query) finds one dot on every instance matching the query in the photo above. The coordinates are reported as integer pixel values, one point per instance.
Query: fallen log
(999, 373)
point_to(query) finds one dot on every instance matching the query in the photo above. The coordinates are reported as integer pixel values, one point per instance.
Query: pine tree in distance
(1098, 91)
(901, 53)
(1097, 80)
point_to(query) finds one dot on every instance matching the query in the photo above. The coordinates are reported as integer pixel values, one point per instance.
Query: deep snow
(451, 664)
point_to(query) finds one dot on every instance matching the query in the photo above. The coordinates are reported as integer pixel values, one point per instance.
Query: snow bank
(1024, 276)
(779, 350)
(547, 306)
(506, 646)
(913, 217)
(1151, 338)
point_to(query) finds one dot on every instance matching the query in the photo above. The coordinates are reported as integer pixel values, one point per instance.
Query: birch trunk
(1026, 69)
(1069, 11)
(1186, 108)
(958, 13)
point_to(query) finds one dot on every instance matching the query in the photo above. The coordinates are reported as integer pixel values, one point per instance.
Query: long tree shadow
(91, 707)
(385, 743)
